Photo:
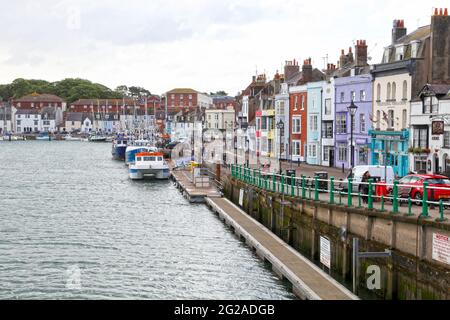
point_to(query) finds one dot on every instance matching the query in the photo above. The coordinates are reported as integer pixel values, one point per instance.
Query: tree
(138, 92)
(219, 93)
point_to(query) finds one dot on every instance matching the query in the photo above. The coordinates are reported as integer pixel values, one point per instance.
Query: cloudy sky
(208, 45)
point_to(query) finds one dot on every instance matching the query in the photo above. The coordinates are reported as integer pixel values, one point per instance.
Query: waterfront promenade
(308, 281)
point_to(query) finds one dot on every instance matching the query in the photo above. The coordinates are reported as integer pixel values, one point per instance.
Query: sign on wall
(325, 252)
(441, 248)
(241, 197)
(437, 127)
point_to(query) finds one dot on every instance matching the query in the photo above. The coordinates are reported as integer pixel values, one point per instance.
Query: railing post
(282, 183)
(316, 188)
(370, 199)
(359, 200)
(340, 198)
(382, 203)
(292, 185)
(409, 207)
(349, 192)
(441, 212)
(395, 199)
(274, 180)
(425, 200)
(332, 190)
(303, 187)
(259, 179)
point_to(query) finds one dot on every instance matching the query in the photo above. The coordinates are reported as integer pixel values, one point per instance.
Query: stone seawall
(411, 273)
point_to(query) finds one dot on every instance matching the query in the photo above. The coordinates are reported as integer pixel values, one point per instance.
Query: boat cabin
(149, 157)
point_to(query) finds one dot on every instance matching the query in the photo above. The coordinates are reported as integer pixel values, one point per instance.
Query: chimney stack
(440, 47)
(361, 53)
(290, 69)
(307, 71)
(398, 30)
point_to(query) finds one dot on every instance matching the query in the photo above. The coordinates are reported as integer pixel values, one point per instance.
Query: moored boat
(119, 147)
(136, 147)
(97, 138)
(69, 137)
(44, 137)
(149, 165)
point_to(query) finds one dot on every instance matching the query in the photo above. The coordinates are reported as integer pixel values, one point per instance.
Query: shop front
(390, 148)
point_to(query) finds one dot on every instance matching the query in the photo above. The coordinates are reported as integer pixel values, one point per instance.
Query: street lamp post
(280, 127)
(352, 108)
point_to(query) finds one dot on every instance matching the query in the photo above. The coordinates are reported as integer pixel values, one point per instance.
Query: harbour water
(73, 226)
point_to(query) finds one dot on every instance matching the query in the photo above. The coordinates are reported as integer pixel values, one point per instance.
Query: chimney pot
(342, 51)
(349, 49)
(445, 12)
(440, 12)
(435, 11)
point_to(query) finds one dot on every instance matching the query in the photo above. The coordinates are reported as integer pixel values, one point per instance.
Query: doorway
(331, 157)
(436, 163)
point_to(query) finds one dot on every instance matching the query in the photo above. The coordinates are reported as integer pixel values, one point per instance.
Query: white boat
(96, 138)
(149, 165)
(69, 137)
(135, 147)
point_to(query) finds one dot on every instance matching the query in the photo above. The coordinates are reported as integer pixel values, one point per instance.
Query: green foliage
(132, 92)
(219, 93)
(69, 89)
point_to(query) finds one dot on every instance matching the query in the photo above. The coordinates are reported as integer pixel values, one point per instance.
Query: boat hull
(131, 152)
(118, 152)
(141, 174)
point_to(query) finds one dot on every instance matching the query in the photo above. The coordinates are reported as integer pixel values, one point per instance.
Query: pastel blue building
(314, 120)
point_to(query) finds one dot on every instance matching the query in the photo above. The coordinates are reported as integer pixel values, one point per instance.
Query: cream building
(220, 119)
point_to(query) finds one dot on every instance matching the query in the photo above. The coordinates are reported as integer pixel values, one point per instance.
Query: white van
(377, 173)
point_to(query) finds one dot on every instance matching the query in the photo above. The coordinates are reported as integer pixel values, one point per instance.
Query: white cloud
(206, 45)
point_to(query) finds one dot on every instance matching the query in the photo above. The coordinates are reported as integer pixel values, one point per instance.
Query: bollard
(370, 198)
(303, 187)
(395, 199)
(425, 200)
(316, 188)
(332, 190)
(349, 192)
(292, 186)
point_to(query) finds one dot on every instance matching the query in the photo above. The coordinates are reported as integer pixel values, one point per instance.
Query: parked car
(377, 173)
(412, 186)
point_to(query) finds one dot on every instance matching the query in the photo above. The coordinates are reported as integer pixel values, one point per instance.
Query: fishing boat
(119, 147)
(135, 147)
(149, 165)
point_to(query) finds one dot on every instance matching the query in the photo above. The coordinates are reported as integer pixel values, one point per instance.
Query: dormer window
(399, 52)
(430, 104)
(387, 52)
(415, 48)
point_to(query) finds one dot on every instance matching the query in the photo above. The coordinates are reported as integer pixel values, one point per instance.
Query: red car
(412, 186)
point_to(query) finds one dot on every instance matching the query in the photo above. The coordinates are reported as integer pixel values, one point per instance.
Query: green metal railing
(309, 188)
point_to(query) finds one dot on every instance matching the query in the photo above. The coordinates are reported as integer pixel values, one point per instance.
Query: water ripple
(75, 227)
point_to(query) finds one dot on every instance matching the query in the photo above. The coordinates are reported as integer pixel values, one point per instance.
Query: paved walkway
(302, 272)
